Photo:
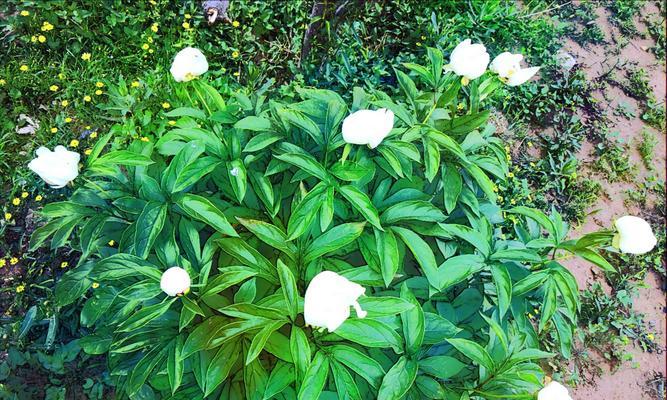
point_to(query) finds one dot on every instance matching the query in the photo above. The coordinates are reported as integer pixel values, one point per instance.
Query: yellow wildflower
(98, 92)
(145, 139)
(16, 201)
(99, 84)
(3, 262)
(512, 202)
(54, 130)
(135, 84)
(24, 68)
(93, 135)
(33, 38)
(423, 37)
(3, 82)
(172, 123)
(87, 152)
(235, 54)
(187, 16)
(236, 73)
(87, 126)
(530, 144)
(460, 106)
(149, 39)
(145, 46)
(85, 56)
(236, 24)
(8, 216)
(41, 38)
(24, 195)
(150, 51)
(154, 27)
(186, 25)
(74, 143)
(95, 285)
(166, 105)
(61, 76)
(64, 103)
(68, 120)
(25, 13)
(500, 198)
(46, 26)
(87, 98)
(510, 175)
(111, 242)
(650, 336)
(20, 288)
(13, 261)
(53, 88)
(38, 197)
(532, 164)
(418, 44)
(64, 264)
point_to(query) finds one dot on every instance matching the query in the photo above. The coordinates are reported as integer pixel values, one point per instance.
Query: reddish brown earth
(632, 380)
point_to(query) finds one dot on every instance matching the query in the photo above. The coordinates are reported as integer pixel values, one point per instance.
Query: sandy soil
(626, 382)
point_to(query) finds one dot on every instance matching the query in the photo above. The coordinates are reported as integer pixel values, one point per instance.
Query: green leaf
(370, 333)
(261, 141)
(549, 302)
(413, 323)
(300, 120)
(28, 321)
(305, 212)
(360, 363)
(360, 201)
(259, 341)
(415, 210)
(334, 239)
(149, 225)
(399, 380)
(536, 215)
(289, 289)
(73, 284)
(201, 209)
(431, 158)
(300, 350)
(221, 365)
(194, 172)
(253, 123)
(452, 185)
(442, 367)
(228, 277)
(175, 364)
(237, 174)
(423, 254)
(315, 378)
(503, 284)
(186, 112)
(345, 385)
(474, 352)
(123, 157)
(387, 250)
(447, 143)
(145, 315)
(306, 163)
(249, 256)
(438, 329)
(520, 255)
(270, 234)
(281, 377)
(529, 283)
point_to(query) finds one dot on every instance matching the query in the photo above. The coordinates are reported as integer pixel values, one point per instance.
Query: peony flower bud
(57, 167)
(554, 391)
(635, 235)
(508, 68)
(328, 300)
(188, 64)
(368, 127)
(175, 281)
(468, 60)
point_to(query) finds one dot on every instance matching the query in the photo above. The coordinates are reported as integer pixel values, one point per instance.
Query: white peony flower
(328, 300)
(508, 68)
(368, 127)
(188, 64)
(468, 60)
(635, 235)
(57, 167)
(554, 391)
(175, 281)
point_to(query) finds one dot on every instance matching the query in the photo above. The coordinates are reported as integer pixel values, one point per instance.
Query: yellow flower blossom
(419, 44)
(93, 135)
(145, 139)
(25, 13)
(64, 103)
(87, 152)
(149, 39)
(85, 56)
(650, 336)
(41, 38)
(95, 285)
(186, 25)
(235, 54)
(3, 262)
(236, 24)
(46, 26)
(99, 84)
(87, 98)
(98, 92)
(145, 46)
(423, 37)
(54, 130)
(111, 243)
(187, 16)
(20, 288)
(166, 105)
(38, 197)
(33, 38)
(13, 261)
(64, 264)
(3, 82)
(530, 144)
(8, 216)
(74, 143)
(135, 84)
(24, 195)
(172, 123)
(54, 88)
(24, 68)
(510, 175)
(236, 73)
(150, 51)
(16, 201)
(500, 198)
(61, 76)
(68, 120)
(154, 27)
(460, 106)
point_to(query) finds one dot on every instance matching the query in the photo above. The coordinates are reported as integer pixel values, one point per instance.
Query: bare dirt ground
(634, 379)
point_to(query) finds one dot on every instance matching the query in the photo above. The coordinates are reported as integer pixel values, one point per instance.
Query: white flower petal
(57, 168)
(522, 76)
(368, 127)
(175, 281)
(328, 300)
(635, 235)
(554, 391)
(188, 64)
(469, 60)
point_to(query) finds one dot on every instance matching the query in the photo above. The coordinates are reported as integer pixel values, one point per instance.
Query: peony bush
(265, 247)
